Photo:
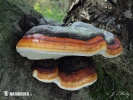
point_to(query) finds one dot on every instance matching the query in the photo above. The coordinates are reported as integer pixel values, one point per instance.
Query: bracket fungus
(55, 43)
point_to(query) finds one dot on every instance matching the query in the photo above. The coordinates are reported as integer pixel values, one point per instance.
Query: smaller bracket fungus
(72, 73)
(78, 39)
(54, 42)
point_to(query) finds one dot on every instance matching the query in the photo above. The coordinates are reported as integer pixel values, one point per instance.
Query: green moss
(110, 86)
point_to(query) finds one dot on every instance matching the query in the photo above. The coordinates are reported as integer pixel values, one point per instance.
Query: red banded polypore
(54, 42)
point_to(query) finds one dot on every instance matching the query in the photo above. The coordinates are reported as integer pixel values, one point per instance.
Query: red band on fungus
(115, 48)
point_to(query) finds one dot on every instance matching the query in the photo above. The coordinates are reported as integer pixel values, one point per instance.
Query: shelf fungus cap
(78, 39)
(72, 73)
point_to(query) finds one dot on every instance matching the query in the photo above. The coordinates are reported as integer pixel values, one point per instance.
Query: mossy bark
(115, 76)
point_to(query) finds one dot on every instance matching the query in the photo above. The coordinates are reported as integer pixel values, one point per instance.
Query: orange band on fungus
(47, 74)
(62, 44)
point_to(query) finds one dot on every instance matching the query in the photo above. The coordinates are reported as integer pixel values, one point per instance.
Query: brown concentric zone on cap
(79, 78)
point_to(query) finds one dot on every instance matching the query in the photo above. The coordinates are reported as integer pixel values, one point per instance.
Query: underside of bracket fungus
(53, 42)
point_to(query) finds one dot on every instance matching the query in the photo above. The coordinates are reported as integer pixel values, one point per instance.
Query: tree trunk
(115, 75)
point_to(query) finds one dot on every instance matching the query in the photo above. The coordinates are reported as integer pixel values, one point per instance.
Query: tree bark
(114, 75)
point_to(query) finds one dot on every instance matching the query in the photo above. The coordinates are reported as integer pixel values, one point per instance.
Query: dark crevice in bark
(112, 2)
(27, 22)
(129, 24)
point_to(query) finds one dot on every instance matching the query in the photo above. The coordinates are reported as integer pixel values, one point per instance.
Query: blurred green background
(53, 9)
